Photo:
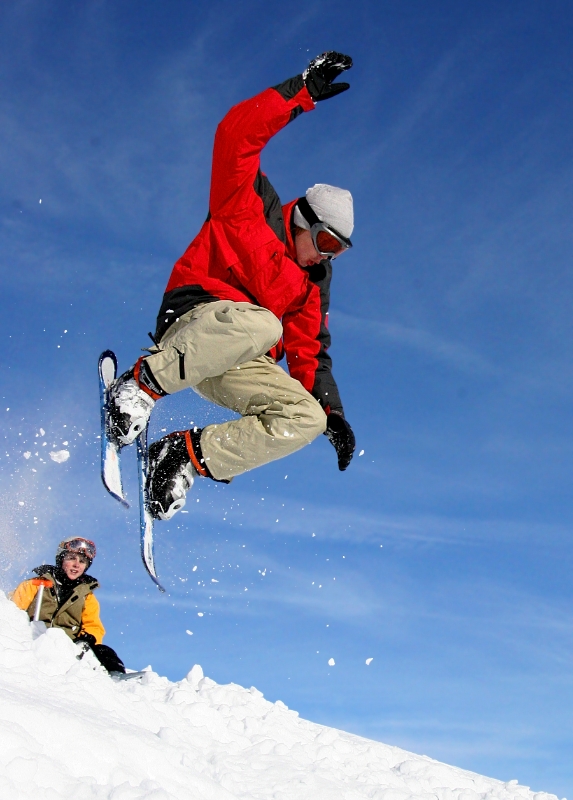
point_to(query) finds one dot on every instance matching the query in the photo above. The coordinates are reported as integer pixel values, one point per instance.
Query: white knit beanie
(331, 205)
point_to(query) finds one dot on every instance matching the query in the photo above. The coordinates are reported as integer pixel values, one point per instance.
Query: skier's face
(74, 565)
(306, 252)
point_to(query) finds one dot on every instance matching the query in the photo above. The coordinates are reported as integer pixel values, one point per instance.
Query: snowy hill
(67, 730)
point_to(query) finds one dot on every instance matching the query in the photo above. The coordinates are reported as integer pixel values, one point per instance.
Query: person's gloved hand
(88, 638)
(108, 658)
(324, 69)
(341, 437)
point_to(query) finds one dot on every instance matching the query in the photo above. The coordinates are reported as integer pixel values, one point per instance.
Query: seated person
(69, 603)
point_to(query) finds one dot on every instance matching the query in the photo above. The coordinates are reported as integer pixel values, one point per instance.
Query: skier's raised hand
(341, 437)
(322, 71)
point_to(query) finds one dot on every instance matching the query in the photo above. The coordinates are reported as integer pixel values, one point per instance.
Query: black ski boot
(171, 472)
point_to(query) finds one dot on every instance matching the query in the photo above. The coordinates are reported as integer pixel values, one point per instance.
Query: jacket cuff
(295, 89)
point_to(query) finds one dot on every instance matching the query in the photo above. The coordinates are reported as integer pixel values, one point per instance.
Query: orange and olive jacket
(78, 614)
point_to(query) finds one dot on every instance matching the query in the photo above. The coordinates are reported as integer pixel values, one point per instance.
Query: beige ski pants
(218, 349)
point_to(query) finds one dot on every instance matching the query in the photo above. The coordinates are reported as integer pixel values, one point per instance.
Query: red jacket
(245, 249)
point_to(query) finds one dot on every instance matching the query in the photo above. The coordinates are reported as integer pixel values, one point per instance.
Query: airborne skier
(252, 286)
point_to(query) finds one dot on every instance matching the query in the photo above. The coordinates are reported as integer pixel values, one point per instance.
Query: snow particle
(199, 613)
(59, 456)
(189, 632)
(369, 661)
(331, 662)
(361, 453)
(27, 454)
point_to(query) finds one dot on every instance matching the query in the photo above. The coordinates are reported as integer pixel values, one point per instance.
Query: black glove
(320, 73)
(88, 638)
(341, 437)
(108, 658)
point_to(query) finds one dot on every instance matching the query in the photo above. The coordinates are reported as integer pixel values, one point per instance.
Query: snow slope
(67, 730)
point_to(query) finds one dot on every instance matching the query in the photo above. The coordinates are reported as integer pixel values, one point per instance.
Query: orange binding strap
(194, 460)
(142, 386)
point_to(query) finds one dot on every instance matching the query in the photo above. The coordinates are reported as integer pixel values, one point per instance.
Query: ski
(128, 676)
(111, 465)
(110, 458)
(145, 518)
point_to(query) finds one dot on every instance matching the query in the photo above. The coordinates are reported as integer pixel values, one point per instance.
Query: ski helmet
(77, 545)
(331, 205)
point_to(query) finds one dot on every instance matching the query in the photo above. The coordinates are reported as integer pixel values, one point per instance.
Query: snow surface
(68, 730)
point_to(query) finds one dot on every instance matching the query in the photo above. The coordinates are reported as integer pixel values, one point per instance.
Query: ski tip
(155, 580)
(147, 553)
(149, 565)
(108, 354)
(113, 493)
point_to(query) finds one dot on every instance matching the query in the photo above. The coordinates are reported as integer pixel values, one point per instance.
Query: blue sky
(444, 552)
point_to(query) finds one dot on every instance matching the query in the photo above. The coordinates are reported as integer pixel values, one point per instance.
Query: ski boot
(130, 402)
(173, 467)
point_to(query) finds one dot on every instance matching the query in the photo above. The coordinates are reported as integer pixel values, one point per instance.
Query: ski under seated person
(253, 286)
(69, 603)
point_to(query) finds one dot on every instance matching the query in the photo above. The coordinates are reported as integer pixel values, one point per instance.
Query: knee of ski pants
(258, 319)
(312, 419)
(263, 327)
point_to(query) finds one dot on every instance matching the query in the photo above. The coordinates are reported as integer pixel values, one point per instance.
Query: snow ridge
(67, 730)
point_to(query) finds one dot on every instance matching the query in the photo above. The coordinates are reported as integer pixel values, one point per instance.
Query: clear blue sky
(445, 551)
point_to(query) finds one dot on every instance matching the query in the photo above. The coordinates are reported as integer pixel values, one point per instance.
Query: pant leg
(210, 340)
(278, 417)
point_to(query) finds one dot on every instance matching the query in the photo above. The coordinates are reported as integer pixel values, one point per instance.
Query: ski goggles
(79, 547)
(327, 241)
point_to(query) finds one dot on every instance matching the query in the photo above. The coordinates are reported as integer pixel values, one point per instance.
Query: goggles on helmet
(326, 239)
(79, 547)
